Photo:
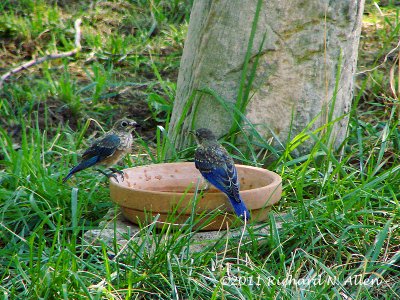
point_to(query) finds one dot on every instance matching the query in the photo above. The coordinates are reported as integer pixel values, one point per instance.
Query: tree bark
(307, 60)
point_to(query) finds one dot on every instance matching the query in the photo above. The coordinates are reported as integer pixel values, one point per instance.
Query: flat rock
(115, 227)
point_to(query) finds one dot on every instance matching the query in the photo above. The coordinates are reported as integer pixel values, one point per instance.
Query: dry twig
(384, 61)
(51, 56)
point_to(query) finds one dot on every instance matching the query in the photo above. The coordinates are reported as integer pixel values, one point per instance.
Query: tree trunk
(307, 53)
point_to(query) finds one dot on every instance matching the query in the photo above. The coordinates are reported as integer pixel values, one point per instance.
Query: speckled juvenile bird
(108, 149)
(218, 168)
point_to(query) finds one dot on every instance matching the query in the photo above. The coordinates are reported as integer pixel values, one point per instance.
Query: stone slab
(115, 226)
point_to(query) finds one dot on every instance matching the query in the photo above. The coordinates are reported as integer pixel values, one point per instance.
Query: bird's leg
(108, 175)
(114, 170)
(204, 185)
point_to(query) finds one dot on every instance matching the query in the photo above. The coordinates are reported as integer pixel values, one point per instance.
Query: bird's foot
(114, 176)
(114, 170)
(108, 175)
(204, 186)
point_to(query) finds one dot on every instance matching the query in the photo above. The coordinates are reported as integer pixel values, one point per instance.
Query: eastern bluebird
(218, 168)
(108, 149)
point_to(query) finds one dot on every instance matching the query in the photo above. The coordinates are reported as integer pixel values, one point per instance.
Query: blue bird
(108, 149)
(218, 168)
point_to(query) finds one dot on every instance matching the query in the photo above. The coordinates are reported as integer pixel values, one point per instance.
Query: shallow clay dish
(150, 190)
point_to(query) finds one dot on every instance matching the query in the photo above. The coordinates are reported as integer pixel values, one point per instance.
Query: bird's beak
(192, 132)
(133, 124)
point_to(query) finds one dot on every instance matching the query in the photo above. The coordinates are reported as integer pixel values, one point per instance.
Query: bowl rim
(276, 180)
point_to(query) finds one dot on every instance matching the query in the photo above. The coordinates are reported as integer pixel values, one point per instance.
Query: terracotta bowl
(159, 189)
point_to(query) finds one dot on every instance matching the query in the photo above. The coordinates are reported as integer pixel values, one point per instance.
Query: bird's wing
(218, 168)
(103, 147)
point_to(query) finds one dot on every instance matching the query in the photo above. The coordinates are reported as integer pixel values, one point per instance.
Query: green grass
(342, 208)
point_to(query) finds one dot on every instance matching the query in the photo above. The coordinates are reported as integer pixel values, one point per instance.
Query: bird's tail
(239, 207)
(83, 165)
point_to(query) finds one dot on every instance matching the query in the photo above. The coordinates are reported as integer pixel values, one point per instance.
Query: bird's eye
(124, 123)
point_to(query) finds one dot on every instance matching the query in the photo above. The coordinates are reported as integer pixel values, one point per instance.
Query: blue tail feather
(240, 208)
(83, 165)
